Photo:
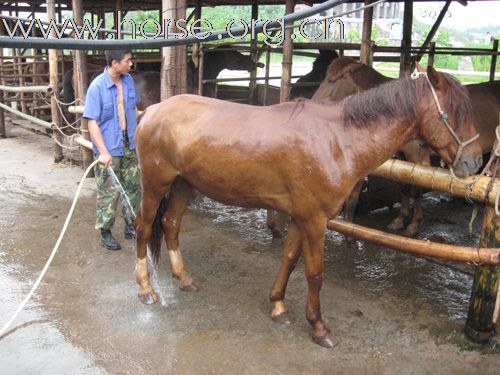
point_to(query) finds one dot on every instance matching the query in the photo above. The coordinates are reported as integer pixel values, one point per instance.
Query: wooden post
(366, 35)
(254, 56)
(480, 326)
(276, 221)
(493, 65)
(268, 67)
(195, 55)
(286, 75)
(168, 59)
(433, 30)
(432, 50)
(181, 53)
(405, 60)
(54, 82)
(80, 71)
(3, 131)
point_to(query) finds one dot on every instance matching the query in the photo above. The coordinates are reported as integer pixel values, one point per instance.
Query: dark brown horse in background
(346, 77)
(214, 62)
(148, 82)
(264, 157)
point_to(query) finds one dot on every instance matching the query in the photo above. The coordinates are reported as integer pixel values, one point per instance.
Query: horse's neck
(366, 146)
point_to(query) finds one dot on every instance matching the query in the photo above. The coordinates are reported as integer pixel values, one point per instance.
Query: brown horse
(346, 77)
(264, 157)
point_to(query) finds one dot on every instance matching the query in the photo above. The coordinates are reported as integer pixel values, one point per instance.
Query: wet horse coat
(265, 157)
(346, 76)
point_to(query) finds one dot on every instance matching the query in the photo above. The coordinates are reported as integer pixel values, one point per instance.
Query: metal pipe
(161, 42)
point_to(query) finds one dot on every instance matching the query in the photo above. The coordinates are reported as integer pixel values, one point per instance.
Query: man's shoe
(129, 231)
(108, 241)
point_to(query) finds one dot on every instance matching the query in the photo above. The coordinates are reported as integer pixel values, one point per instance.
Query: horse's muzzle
(468, 165)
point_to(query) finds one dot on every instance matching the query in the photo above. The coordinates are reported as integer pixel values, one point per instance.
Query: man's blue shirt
(101, 105)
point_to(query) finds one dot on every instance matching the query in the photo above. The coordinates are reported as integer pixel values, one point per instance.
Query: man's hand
(105, 159)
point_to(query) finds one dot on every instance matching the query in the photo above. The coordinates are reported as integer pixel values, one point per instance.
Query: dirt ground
(393, 313)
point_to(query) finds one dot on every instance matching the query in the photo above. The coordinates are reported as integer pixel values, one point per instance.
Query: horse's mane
(324, 58)
(398, 98)
(338, 65)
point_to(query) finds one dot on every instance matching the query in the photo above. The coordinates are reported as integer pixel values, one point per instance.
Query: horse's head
(447, 122)
(235, 60)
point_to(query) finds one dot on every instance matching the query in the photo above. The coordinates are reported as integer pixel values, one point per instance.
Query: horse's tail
(157, 232)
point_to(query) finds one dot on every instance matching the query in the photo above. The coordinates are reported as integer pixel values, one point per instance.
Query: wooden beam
(54, 82)
(405, 60)
(253, 55)
(366, 52)
(80, 72)
(433, 30)
(287, 57)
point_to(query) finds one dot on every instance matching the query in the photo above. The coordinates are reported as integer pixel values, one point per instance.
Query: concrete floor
(392, 313)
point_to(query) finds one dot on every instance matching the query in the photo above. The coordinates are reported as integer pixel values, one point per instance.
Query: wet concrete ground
(393, 313)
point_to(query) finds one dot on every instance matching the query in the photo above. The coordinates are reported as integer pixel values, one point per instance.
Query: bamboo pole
(366, 36)
(80, 69)
(413, 246)
(54, 81)
(439, 179)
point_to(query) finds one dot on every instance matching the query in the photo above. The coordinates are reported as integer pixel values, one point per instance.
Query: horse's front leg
(180, 195)
(289, 259)
(144, 222)
(312, 232)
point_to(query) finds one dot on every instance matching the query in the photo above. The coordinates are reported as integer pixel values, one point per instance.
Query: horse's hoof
(189, 287)
(284, 319)
(148, 299)
(411, 231)
(396, 224)
(326, 341)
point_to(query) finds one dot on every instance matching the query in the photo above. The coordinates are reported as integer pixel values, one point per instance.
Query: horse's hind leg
(289, 259)
(150, 202)
(180, 195)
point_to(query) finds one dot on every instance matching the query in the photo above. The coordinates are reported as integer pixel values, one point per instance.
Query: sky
(475, 14)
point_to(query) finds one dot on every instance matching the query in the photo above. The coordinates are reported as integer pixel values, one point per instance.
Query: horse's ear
(434, 77)
(419, 68)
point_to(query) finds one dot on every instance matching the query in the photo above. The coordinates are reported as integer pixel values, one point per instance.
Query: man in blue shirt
(110, 107)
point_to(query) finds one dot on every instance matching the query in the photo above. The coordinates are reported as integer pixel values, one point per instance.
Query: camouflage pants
(126, 169)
